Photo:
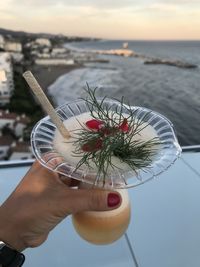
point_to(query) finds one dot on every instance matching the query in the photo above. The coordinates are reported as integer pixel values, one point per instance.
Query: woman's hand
(41, 201)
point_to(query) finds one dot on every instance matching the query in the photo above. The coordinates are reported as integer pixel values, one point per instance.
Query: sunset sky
(113, 19)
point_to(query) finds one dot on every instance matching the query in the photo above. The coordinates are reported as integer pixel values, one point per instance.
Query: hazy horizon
(148, 20)
(102, 38)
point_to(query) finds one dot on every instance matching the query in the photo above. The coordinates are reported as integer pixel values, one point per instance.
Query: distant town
(43, 54)
(47, 56)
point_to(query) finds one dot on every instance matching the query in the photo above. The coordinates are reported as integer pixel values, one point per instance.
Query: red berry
(124, 126)
(94, 124)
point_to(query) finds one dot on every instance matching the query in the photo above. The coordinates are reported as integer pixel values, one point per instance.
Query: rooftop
(164, 229)
(6, 114)
(20, 146)
(6, 140)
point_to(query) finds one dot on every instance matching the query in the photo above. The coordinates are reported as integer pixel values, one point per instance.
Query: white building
(2, 42)
(5, 92)
(13, 121)
(6, 78)
(20, 124)
(7, 119)
(12, 46)
(58, 50)
(43, 42)
(17, 57)
(43, 55)
(54, 61)
(20, 151)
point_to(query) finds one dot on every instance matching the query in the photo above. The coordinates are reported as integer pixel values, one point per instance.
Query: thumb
(93, 200)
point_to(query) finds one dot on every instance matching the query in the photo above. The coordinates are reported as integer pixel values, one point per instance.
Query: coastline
(47, 75)
(158, 87)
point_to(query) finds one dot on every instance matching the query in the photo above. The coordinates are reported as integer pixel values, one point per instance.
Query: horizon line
(103, 38)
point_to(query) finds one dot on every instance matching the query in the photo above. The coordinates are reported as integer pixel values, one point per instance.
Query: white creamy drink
(65, 147)
(107, 226)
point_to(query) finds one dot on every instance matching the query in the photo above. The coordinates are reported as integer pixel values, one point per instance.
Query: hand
(41, 201)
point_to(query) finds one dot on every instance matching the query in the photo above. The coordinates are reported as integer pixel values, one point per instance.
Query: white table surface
(164, 229)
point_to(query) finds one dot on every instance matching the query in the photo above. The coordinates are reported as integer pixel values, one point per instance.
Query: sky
(110, 19)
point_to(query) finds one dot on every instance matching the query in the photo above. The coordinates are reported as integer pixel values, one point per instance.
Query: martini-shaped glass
(51, 154)
(59, 154)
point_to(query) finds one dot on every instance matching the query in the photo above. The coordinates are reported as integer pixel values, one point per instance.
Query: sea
(171, 91)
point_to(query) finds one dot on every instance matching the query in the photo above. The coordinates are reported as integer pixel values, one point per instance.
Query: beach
(47, 75)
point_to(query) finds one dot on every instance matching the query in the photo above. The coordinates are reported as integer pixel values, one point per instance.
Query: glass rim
(170, 153)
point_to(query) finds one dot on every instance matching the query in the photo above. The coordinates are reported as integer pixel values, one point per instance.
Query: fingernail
(113, 200)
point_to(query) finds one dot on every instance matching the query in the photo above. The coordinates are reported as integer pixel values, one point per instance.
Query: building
(12, 46)
(54, 61)
(20, 124)
(58, 51)
(5, 92)
(17, 57)
(43, 42)
(42, 55)
(20, 150)
(16, 123)
(7, 119)
(5, 143)
(2, 42)
(12, 127)
(6, 78)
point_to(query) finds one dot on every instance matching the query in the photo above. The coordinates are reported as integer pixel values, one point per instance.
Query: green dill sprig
(98, 147)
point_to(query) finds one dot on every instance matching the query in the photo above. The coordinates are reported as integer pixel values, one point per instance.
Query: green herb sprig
(110, 140)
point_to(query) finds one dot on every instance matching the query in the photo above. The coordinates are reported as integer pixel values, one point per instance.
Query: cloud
(179, 3)
(4, 15)
(170, 8)
(141, 19)
(157, 8)
(102, 8)
(103, 4)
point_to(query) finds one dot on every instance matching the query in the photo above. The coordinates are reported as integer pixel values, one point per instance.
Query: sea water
(172, 91)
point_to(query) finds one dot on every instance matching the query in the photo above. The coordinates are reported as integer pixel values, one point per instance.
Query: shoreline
(47, 75)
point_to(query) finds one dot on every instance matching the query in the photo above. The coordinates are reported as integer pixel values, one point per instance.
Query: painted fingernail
(113, 200)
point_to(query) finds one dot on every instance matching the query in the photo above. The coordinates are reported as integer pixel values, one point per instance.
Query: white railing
(195, 148)
(16, 163)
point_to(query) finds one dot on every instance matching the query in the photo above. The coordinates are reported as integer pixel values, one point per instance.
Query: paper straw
(44, 102)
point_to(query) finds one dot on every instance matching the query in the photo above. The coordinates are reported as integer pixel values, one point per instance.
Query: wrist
(10, 257)
(9, 233)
